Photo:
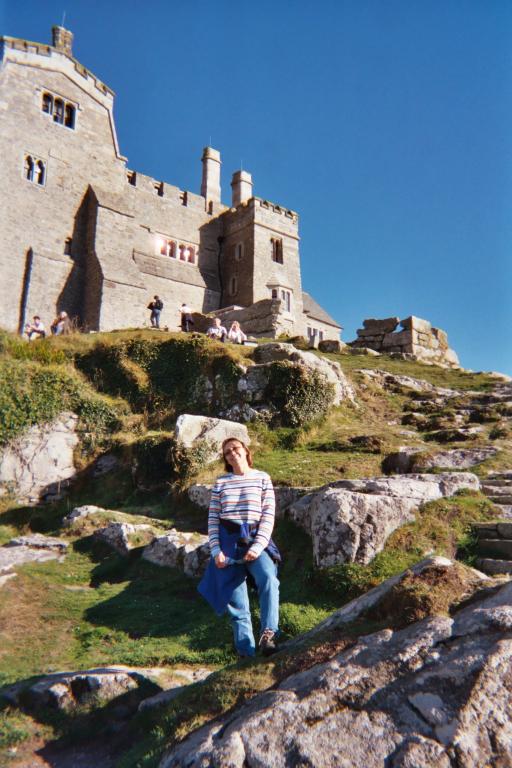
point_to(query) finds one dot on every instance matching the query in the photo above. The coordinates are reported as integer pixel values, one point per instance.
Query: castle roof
(315, 311)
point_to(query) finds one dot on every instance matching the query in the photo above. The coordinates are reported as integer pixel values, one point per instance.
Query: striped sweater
(245, 498)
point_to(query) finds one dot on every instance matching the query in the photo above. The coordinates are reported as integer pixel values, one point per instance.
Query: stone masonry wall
(417, 338)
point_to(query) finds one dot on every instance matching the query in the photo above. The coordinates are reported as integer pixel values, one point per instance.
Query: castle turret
(62, 40)
(210, 185)
(241, 185)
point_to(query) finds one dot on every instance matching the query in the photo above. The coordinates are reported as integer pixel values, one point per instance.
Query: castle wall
(42, 217)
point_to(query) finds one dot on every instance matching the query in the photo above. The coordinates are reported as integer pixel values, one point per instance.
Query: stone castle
(82, 232)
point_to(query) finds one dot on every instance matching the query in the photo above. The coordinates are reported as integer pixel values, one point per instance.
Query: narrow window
(275, 294)
(191, 255)
(131, 178)
(69, 116)
(40, 172)
(67, 246)
(320, 335)
(164, 248)
(159, 188)
(183, 255)
(276, 249)
(233, 286)
(29, 168)
(239, 251)
(210, 207)
(184, 198)
(47, 103)
(58, 114)
(171, 250)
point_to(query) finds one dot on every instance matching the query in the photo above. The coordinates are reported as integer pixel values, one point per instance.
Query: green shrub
(299, 394)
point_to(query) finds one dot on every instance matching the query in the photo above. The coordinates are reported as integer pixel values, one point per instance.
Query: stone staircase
(498, 488)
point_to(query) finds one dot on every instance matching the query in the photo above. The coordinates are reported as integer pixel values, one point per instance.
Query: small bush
(300, 395)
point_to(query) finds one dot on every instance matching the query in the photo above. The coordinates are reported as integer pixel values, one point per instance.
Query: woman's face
(235, 455)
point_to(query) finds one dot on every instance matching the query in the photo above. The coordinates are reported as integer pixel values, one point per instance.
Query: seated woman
(240, 523)
(235, 333)
(61, 324)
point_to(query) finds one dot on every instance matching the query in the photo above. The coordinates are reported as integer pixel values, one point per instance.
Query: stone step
(494, 567)
(496, 490)
(498, 482)
(495, 548)
(500, 500)
(507, 475)
(505, 510)
(493, 529)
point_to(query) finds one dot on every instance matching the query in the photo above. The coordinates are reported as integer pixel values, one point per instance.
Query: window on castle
(28, 170)
(58, 112)
(320, 335)
(275, 293)
(69, 116)
(233, 286)
(159, 188)
(47, 103)
(68, 243)
(168, 248)
(191, 255)
(131, 178)
(63, 112)
(34, 170)
(276, 246)
(239, 251)
(286, 298)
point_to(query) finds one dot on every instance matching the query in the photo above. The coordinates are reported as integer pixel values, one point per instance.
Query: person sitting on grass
(217, 331)
(235, 334)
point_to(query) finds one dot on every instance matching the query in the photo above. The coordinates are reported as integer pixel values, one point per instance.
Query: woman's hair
(248, 454)
(235, 324)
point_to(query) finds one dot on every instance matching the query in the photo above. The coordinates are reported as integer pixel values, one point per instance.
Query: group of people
(36, 329)
(215, 331)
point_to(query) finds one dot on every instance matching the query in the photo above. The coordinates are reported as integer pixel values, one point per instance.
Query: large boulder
(178, 549)
(210, 432)
(414, 459)
(351, 520)
(435, 694)
(331, 370)
(40, 461)
(124, 537)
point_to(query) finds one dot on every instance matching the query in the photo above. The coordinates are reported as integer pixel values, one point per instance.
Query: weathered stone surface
(353, 350)
(381, 326)
(80, 513)
(123, 537)
(285, 496)
(414, 459)
(190, 430)
(494, 567)
(332, 345)
(392, 380)
(502, 548)
(350, 520)
(40, 459)
(176, 549)
(419, 696)
(39, 541)
(104, 464)
(65, 691)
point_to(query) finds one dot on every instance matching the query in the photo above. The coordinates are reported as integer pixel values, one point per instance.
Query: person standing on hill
(156, 307)
(240, 523)
(186, 318)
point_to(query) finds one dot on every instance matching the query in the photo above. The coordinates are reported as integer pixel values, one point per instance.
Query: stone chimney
(210, 185)
(62, 40)
(242, 187)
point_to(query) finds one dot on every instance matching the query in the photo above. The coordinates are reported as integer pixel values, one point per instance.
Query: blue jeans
(264, 572)
(155, 318)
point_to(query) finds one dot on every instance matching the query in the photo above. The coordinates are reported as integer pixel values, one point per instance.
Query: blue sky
(387, 124)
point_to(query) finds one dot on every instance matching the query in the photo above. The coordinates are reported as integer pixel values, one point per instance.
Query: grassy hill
(98, 608)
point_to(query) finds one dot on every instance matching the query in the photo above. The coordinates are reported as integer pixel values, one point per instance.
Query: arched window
(58, 114)
(29, 168)
(69, 116)
(275, 293)
(276, 249)
(47, 103)
(191, 255)
(40, 172)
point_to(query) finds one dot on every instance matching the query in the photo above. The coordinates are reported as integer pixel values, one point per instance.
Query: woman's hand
(220, 560)
(250, 556)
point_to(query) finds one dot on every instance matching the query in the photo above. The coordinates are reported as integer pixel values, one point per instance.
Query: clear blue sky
(387, 124)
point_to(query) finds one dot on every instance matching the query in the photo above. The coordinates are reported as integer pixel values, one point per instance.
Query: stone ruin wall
(418, 339)
(265, 319)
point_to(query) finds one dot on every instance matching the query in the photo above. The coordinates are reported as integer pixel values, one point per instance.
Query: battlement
(30, 48)
(258, 202)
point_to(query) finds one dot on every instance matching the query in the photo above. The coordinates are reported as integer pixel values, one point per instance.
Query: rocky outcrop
(433, 695)
(209, 432)
(40, 462)
(124, 537)
(416, 460)
(177, 549)
(418, 340)
(35, 548)
(276, 351)
(350, 520)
